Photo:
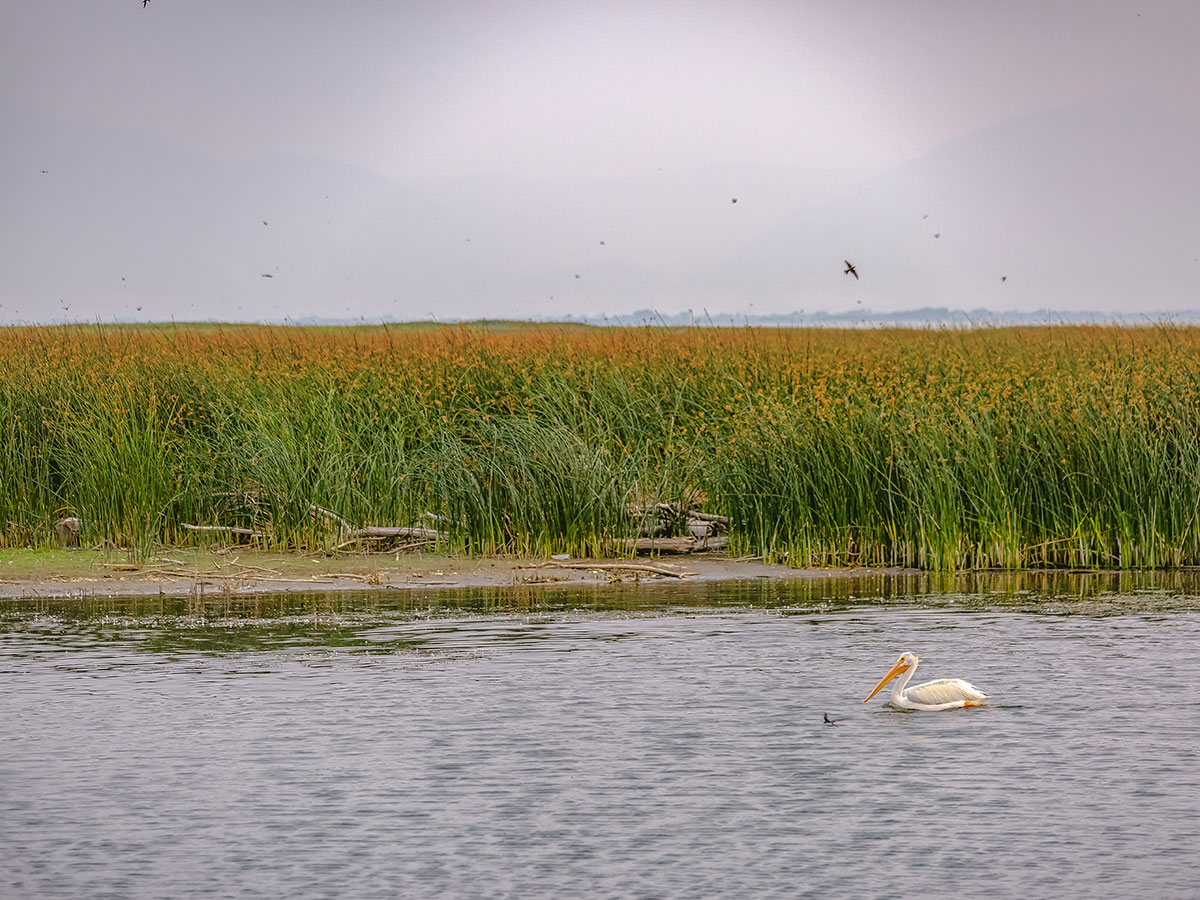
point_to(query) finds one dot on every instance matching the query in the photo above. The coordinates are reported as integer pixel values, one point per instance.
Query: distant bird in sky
(576, 274)
(735, 199)
(267, 275)
(829, 721)
(145, 3)
(264, 221)
(926, 216)
(1003, 278)
(937, 234)
(850, 270)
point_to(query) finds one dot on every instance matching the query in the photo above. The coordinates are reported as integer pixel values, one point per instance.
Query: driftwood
(615, 567)
(249, 532)
(396, 548)
(664, 520)
(329, 514)
(708, 517)
(379, 533)
(687, 544)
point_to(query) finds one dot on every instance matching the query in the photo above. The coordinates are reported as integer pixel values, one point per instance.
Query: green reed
(939, 449)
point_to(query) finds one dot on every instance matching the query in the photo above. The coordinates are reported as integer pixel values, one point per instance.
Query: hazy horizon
(528, 160)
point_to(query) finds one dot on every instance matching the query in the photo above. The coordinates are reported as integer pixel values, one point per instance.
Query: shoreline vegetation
(1023, 447)
(222, 571)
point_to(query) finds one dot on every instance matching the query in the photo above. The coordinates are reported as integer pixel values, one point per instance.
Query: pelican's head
(907, 661)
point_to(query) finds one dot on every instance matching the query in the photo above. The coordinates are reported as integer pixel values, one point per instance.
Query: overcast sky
(515, 159)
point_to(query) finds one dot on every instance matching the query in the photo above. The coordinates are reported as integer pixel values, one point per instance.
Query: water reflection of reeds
(392, 621)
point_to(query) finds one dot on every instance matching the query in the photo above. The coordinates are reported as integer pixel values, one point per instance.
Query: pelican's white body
(932, 696)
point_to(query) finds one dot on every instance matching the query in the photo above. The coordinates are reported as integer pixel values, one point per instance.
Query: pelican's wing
(947, 690)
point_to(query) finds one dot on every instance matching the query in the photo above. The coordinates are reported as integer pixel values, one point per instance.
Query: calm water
(644, 741)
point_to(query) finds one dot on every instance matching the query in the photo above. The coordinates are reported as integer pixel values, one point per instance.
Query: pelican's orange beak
(897, 669)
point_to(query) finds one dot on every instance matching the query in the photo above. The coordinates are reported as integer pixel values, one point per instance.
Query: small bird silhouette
(937, 234)
(829, 721)
(735, 199)
(1003, 278)
(267, 275)
(850, 270)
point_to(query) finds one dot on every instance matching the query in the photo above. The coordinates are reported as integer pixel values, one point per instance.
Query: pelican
(946, 693)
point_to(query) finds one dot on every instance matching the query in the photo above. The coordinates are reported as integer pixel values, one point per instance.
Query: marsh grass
(1064, 446)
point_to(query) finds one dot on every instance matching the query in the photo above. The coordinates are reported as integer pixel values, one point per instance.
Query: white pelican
(946, 693)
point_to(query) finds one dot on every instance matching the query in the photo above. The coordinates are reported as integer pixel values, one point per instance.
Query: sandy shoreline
(35, 574)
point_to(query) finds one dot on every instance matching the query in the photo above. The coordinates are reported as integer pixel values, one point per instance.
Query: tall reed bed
(939, 449)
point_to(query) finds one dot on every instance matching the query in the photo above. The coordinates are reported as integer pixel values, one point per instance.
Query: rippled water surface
(624, 741)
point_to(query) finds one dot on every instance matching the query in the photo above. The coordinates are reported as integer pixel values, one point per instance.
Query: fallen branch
(413, 545)
(237, 576)
(229, 528)
(329, 514)
(246, 567)
(675, 545)
(623, 567)
(708, 517)
(396, 549)
(372, 531)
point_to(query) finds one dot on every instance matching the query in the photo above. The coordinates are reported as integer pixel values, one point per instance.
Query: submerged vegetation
(1075, 446)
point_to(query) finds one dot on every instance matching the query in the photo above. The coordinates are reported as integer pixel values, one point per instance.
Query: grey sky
(466, 159)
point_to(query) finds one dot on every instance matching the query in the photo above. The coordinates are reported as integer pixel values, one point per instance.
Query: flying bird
(1003, 278)
(850, 270)
(937, 234)
(829, 721)
(947, 693)
(735, 199)
(267, 275)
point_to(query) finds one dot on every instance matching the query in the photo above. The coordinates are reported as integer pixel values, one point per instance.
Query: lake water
(638, 741)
